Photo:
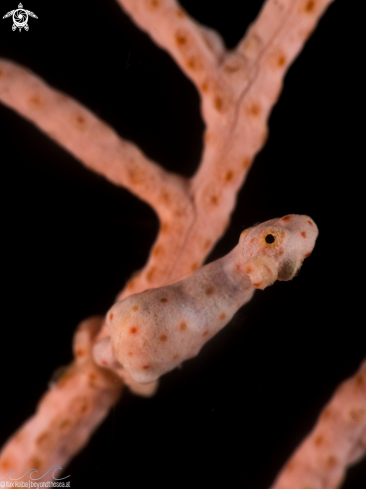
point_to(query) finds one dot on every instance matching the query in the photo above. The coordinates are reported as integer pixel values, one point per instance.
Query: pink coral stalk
(337, 441)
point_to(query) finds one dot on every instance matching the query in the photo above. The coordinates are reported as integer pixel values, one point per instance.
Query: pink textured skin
(154, 331)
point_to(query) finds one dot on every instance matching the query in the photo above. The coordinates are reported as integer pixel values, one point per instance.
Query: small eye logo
(20, 17)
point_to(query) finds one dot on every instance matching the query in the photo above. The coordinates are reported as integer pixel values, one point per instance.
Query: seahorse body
(154, 331)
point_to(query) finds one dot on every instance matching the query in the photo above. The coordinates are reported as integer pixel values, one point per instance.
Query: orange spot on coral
(164, 227)
(180, 39)
(154, 3)
(193, 63)
(204, 87)
(248, 270)
(135, 175)
(133, 330)
(145, 367)
(92, 376)
(183, 326)
(6, 464)
(286, 218)
(207, 244)
(35, 463)
(246, 163)
(158, 250)
(166, 197)
(229, 176)
(222, 315)
(331, 461)
(281, 60)
(309, 222)
(257, 284)
(204, 334)
(357, 415)
(255, 109)
(35, 101)
(303, 234)
(175, 357)
(64, 423)
(180, 13)
(194, 266)
(150, 274)
(214, 199)
(218, 103)
(79, 352)
(80, 122)
(326, 413)
(130, 353)
(290, 466)
(163, 337)
(309, 7)
(135, 307)
(209, 291)
(319, 440)
(111, 316)
(360, 380)
(1, 73)
(163, 299)
(131, 284)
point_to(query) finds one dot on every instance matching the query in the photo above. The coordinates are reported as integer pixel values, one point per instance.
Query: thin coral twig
(89, 139)
(337, 441)
(72, 408)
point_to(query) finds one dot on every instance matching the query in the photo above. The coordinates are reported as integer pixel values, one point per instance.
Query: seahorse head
(275, 249)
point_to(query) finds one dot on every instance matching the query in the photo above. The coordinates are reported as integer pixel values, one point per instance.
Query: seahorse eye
(270, 239)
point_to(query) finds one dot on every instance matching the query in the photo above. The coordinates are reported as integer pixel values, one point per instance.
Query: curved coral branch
(196, 49)
(336, 442)
(76, 403)
(89, 139)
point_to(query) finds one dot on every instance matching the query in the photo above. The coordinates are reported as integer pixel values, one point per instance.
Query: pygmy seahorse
(154, 331)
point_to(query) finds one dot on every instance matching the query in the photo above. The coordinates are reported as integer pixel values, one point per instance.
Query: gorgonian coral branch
(89, 139)
(68, 413)
(196, 49)
(337, 441)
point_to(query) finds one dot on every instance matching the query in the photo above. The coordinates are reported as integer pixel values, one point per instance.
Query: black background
(70, 240)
